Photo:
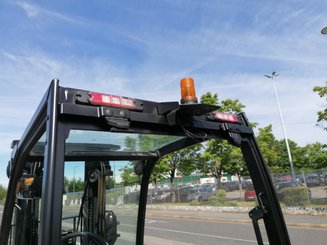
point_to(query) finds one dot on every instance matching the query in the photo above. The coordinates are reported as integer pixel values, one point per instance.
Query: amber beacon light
(188, 91)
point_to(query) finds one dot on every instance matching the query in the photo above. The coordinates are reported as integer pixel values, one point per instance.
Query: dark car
(230, 185)
(160, 196)
(312, 180)
(203, 193)
(323, 178)
(281, 186)
(131, 197)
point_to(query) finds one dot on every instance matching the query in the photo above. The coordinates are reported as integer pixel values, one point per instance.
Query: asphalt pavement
(312, 221)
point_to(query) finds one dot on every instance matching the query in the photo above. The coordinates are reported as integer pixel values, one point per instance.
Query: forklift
(96, 136)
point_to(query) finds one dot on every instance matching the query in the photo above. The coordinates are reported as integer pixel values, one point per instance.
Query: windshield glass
(83, 197)
(102, 197)
(100, 141)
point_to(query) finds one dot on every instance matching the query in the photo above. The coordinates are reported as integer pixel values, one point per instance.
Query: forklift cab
(91, 140)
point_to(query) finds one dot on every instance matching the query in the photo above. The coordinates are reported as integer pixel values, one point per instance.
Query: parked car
(185, 193)
(281, 186)
(132, 197)
(203, 193)
(230, 185)
(245, 182)
(249, 193)
(211, 186)
(299, 178)
(312, 180)
(160, 196)
(323, 178)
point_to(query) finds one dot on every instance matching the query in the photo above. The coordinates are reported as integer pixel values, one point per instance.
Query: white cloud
(35, 11)
(223, 53)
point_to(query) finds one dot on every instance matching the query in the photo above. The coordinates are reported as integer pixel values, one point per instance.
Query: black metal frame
(58, 113)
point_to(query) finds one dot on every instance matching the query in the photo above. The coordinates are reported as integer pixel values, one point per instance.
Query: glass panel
(205, 203)
(110, 212)
(107, 141)
(99, 141)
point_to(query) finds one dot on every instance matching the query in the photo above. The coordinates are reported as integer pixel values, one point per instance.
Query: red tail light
(224, 117)
(112, 100)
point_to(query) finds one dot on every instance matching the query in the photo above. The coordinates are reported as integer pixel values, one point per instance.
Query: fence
(309, 187)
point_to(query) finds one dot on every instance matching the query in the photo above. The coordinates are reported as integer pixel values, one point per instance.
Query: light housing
(112, 100)
(188, 95)
(224, 117)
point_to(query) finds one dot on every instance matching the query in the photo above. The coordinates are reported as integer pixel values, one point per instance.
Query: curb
(288, 210)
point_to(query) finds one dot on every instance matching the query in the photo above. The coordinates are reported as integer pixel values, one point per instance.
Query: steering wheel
(85, 238)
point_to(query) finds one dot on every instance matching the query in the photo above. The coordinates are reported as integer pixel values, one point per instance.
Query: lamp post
(74, 201)
(272, 76)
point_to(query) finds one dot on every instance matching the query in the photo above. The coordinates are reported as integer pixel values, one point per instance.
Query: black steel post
(52, 187)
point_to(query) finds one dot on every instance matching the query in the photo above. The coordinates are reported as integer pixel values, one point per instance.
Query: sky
(142, 49)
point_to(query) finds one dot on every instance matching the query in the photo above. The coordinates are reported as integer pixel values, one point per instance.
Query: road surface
(196, 228)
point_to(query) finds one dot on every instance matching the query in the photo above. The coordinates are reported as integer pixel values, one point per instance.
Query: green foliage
(219, 155)
(312, 156)
(168, 165)
(194, 203)
(182, 161)
(219, 197)
(237, 164)
(296, 196)
(159, 172)
(232, 204)
(112, 197)
(227, 105)
(268, 147)
(230, 105)
(216, 158)
(3, 192)
(210, 99)
(73, 185)
(129, 178)
(322, 91)
(283, 159)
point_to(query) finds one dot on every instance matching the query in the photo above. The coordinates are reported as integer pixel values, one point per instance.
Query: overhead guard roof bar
(170, 118)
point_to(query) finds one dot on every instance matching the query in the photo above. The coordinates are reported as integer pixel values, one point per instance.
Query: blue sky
(143, 48)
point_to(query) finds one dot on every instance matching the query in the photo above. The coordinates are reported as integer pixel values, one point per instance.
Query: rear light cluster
(224, 117)
(112, 100)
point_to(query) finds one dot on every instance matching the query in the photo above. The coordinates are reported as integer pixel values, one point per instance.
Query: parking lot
(318, 192)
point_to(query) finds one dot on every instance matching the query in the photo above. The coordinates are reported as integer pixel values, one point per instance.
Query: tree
(159, 172)
(269, 149)
(215, 159)
(220, 156)
(237, 164)
(182, 161)
(322, 91)
(128, 176)
(313, 156)
(3, 192)
(75, 185)
(283, 161)
(179, 161)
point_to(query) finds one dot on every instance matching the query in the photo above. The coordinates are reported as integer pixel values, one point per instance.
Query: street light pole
(272, 76)
(74, 201)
